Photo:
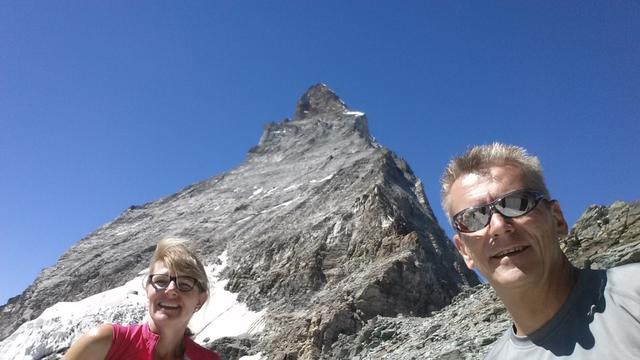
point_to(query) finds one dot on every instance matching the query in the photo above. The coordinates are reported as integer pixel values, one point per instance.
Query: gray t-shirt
(599, 320)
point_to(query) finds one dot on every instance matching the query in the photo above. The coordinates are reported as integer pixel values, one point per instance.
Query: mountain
(320, 230)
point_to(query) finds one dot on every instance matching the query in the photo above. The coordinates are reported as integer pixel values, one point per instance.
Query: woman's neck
(170, 344)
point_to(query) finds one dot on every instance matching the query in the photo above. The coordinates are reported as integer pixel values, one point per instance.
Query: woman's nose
(172, 287)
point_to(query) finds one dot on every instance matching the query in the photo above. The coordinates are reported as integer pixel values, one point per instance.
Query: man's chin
(508, 277)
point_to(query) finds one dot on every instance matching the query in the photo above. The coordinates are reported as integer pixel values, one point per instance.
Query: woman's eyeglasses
(511, 205)
(162, 281)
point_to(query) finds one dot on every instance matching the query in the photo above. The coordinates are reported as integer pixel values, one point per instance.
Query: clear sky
(106, 104)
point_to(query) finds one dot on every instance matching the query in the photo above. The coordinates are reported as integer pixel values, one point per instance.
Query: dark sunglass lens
(513, 205)
(516, 205)
(473, 219)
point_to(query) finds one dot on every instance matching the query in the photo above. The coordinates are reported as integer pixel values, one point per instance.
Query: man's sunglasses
(511, 205)
(162, 281)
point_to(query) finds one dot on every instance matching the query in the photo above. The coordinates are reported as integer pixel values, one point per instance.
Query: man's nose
(499, 224)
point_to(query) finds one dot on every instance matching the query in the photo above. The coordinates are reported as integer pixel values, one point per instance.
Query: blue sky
(108, 104)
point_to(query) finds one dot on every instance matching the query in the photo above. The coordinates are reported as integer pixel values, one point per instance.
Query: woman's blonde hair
(479, 158)
(176, 256)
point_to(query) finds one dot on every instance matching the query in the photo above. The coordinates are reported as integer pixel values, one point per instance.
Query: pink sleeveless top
(139, 342)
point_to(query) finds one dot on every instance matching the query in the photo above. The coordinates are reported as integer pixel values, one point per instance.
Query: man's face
(509, 253)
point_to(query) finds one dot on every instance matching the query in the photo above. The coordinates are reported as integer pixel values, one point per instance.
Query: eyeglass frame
(174, 279)
(538, 197)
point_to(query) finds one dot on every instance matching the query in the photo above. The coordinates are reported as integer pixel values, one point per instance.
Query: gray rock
(232, 348)
(605, 236)
(318, 99)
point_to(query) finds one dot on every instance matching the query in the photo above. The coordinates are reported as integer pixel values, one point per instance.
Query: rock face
(318, 100)
(603, 236)
(324, 229)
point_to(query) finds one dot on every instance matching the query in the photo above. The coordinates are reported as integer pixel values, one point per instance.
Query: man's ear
(562, 229)
(462, 249)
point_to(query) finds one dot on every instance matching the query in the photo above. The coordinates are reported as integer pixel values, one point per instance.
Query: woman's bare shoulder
(94, 344)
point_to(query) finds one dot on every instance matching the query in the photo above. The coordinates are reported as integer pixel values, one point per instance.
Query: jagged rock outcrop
(323, 228)
(605, 236)
(464, 330)
(318, 100)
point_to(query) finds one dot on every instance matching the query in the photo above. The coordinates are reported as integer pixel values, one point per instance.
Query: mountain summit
(320, 230)
(319, 99)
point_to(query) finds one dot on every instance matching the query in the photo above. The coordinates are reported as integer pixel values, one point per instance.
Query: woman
(177, 287)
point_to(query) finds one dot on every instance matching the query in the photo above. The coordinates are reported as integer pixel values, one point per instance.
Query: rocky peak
(319, 99)
(322, 123)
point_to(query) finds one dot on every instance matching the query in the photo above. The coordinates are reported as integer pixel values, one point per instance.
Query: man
(508, 228)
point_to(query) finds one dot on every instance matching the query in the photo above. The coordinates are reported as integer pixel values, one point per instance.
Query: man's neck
(532, 307)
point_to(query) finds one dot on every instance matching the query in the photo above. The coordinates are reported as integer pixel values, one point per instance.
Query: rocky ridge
(605, 236)
(324, 229)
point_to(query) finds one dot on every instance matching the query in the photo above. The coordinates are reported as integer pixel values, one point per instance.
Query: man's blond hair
(479, 158)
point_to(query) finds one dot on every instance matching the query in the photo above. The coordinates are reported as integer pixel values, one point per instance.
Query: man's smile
(516, 250)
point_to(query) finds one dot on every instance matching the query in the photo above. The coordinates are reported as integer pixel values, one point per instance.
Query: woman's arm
(95, 344)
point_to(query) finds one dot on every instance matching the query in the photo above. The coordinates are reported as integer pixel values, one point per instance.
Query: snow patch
(257, 356)
(323, 179)
(386, 221)
(244, 219)
(357, 113)
(255, 193)
(223, 315)
(61, 324)
(286, 203)
(294, 186)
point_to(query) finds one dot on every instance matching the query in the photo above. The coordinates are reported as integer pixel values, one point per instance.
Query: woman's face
(170, 306)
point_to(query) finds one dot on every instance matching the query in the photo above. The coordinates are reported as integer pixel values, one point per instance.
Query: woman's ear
(203, 299)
